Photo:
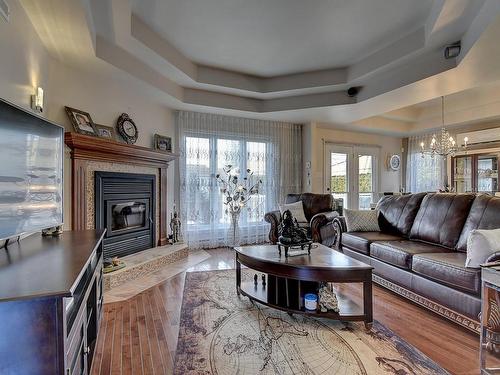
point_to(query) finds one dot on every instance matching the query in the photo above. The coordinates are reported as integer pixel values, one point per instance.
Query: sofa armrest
(318, 221)
(274, 218)
(339, 227)
(493, 257)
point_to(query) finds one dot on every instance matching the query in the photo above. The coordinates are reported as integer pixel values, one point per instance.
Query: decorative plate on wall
(394, 162)
(127, 129)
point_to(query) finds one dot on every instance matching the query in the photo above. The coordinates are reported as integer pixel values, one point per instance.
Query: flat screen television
(31, 172)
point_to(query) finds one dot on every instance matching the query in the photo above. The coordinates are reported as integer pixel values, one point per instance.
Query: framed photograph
(82, 122)
(104, 131)
(162, 143)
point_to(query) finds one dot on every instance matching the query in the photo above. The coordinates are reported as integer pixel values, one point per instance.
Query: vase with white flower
(236, 191)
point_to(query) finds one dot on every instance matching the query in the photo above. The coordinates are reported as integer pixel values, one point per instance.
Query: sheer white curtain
(272, 150)
(424, 173)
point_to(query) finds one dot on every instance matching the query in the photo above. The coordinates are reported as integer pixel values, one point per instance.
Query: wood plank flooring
(139, 336)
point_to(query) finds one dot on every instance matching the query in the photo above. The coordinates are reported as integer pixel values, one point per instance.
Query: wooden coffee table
(289, 279)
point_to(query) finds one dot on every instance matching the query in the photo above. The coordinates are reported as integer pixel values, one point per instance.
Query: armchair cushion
(297, 210)
(312, 203)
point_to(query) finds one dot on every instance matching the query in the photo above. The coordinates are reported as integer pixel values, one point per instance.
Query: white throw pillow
(481, 243)
(361, 220)
(297, 210)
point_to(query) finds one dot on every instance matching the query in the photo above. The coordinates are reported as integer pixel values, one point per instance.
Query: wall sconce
(37, 100)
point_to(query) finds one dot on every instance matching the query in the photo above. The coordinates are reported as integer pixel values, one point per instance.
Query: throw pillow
(297, 210)
(481, 243)
(361, 220)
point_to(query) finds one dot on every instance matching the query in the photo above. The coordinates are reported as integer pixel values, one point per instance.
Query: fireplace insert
(125, 206)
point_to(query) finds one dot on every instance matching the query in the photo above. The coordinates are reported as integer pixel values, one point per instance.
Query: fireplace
(125, 207)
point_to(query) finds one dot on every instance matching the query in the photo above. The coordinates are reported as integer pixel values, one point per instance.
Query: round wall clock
(395, 162)
(127, 129)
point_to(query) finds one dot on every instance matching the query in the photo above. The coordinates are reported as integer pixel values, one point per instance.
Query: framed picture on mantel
(82, 122)
(162, 143)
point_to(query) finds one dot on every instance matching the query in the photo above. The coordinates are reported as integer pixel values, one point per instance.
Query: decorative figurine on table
(291, 236)
(175, 227)
(52, 231)
(327, 299)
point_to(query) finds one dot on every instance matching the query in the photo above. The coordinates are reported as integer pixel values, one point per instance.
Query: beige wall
(25, 64)
(316, 135)
(105, 100)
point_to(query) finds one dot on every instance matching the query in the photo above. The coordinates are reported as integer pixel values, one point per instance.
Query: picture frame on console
(81, 121)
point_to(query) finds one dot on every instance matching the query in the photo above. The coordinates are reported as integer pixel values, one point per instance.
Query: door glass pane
(256, 162)
(365, 180)
(462, 174)
(339, 185)
(487, 173)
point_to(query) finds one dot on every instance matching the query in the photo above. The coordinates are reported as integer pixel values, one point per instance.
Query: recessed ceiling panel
(275, 37)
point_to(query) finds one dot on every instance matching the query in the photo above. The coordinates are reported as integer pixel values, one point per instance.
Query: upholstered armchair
(319, 210)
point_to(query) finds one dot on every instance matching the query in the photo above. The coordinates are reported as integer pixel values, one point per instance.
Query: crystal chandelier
(443, 145)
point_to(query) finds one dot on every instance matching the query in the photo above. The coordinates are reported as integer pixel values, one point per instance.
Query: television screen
(31, 172)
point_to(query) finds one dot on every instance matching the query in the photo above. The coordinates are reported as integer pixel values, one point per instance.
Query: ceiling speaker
(4, 10)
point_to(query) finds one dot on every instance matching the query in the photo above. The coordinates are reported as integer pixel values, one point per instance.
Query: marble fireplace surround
(90, 154)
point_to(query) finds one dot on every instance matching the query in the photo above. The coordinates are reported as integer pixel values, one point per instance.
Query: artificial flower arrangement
(237, 191)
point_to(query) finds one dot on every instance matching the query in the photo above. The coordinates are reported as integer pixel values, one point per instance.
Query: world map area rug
(223, 333)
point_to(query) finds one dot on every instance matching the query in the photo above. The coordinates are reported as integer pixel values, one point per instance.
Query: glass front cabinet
(476, 173)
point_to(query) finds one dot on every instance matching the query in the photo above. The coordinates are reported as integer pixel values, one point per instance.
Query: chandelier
(443, 145)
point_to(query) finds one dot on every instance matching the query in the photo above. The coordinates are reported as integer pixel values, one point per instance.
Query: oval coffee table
(289, 279)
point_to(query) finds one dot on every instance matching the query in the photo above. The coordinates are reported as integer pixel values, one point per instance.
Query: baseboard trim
(445, 312)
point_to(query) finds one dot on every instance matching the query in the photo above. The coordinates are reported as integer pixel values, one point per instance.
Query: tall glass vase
(233, 233)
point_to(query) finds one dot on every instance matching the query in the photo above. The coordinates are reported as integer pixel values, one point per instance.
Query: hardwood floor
(139, 336)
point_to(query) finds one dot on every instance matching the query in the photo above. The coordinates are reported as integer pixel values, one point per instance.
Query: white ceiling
(268, 38)
(411, 70)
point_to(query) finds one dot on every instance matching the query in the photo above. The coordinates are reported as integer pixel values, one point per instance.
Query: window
(206, 157)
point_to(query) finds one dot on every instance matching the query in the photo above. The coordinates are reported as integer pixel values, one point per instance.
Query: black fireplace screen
(128, 215)
(125, 207)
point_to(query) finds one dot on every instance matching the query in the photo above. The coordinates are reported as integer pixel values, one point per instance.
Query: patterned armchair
(319, 209)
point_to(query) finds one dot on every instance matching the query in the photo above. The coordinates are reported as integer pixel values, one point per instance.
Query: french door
(351, 174)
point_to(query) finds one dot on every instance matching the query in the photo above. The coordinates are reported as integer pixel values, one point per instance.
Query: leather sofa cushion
(441, 217)
(397, 212)
(448, 269)
(484, 214)
(313, 203)
(400, 253)
(360, 241)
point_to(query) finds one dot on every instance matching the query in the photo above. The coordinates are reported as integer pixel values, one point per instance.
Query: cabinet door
(77, 352)
(487, 173)
(462, 174)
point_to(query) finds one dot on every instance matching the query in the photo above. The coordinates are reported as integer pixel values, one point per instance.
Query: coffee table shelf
(289, 279)
(349, 310)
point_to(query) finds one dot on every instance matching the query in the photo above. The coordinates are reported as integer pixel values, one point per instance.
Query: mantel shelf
(94, 148)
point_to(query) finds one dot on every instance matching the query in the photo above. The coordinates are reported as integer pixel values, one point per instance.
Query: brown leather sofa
(420, 250)
(319, 212)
